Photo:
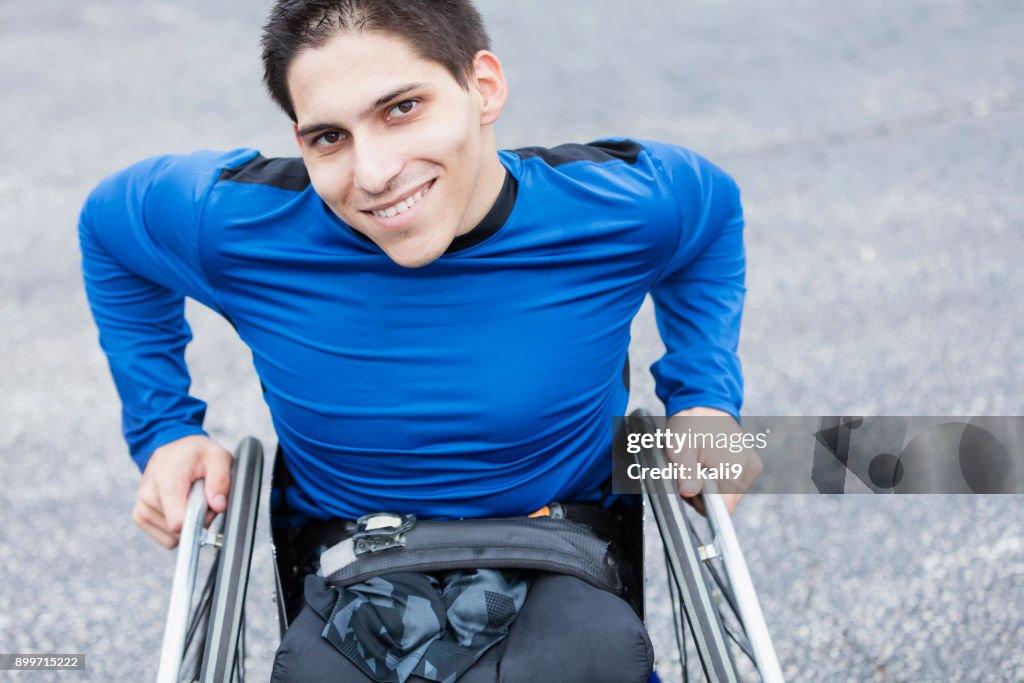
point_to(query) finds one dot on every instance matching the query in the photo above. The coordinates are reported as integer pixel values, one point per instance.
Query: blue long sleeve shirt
(482, 384)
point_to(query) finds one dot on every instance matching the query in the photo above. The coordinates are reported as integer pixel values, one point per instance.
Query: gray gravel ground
(880, 150)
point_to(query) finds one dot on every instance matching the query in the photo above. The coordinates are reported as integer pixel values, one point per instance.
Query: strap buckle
(381, 531)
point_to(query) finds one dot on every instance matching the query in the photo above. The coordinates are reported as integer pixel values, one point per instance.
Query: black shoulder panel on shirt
(287, 173)
(599, 152)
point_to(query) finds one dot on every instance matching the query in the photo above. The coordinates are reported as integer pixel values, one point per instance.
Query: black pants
(567, 631)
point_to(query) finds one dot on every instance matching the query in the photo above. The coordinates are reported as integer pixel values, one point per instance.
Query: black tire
(233, 562)
(691, 580)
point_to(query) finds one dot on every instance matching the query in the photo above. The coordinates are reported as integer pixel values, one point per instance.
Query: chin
(417, 261)
(409, 256)
(417, 247)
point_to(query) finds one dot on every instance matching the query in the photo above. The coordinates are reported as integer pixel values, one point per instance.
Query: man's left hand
(731, 490)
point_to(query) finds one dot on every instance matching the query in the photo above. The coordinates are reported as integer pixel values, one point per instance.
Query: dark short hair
(449, 32)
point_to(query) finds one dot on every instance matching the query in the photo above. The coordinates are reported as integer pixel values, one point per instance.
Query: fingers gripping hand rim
(167, 480)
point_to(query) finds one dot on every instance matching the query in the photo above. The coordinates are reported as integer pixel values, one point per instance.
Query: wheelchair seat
(559, 609)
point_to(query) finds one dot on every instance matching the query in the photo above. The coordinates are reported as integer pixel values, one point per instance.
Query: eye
(329, 138)
(403, 108)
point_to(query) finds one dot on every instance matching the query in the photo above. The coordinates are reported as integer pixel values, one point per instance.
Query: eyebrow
(380, 102)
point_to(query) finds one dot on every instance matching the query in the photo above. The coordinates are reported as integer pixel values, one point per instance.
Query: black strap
(557, 546)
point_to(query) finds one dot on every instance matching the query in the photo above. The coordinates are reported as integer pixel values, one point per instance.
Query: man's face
(392, 143)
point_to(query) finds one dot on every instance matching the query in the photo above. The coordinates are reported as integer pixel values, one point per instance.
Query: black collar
(493, 221)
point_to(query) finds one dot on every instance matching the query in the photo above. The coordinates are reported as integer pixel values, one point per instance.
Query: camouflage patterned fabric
(408, 623)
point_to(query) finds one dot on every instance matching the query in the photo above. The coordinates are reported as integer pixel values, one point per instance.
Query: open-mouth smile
(403, 209)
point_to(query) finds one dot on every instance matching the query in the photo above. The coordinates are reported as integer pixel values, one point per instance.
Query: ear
(489, 79)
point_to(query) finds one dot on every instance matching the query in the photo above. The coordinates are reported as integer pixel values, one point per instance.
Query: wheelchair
(712, 594)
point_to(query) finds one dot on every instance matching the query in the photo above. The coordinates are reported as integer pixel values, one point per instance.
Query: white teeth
(400, 207)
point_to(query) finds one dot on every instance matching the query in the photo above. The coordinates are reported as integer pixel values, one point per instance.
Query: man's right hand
(167, 480)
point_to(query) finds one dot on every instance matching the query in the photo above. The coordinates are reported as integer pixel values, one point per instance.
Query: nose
(375, 164)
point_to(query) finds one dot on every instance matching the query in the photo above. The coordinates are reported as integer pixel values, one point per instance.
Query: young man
(440, 328)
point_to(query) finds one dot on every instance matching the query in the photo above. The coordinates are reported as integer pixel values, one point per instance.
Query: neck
(488, 186)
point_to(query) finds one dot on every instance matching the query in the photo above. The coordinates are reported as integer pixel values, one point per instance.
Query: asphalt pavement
(880, 150)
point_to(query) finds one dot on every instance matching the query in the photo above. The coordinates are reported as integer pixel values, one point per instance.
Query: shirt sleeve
(138, 233)
(698, 296)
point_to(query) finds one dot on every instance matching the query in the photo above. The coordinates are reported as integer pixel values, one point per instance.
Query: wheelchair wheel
(204, 635)
(710, 586)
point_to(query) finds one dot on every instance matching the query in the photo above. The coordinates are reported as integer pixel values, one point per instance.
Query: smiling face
(394, 145)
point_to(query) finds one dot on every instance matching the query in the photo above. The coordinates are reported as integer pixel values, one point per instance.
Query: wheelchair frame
(703, 577)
